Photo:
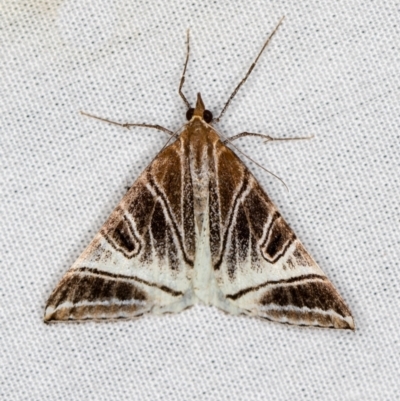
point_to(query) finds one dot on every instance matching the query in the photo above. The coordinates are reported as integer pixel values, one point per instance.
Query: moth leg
(184, 71)
(129, 125)
(267, 138)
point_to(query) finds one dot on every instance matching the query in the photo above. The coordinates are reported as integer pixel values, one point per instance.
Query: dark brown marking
(98, 289)
(255, 257)
(231, 260)
(214, 218)
(92, 288)
(129, 278)
(231, 173)
(280, 296)
(275, 282)
(125, 291)
(258, 210)
(242, 232)
(294, 296)
(64, 291)
(141, 208)
(170, 180)
(146, 254)
(312, 295)
(188, 205)
(313, 318)
(86, 284)
(159, 230)
(278, 239)
(217, 265)
(122, 237)
(174, 226)
(97, 312)
(85, 288)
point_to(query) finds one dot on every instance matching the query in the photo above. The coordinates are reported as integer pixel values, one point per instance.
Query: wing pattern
(259, 263)
(196, 226)
(142, 258)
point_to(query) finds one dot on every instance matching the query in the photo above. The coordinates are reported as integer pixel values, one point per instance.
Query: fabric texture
(331, 71)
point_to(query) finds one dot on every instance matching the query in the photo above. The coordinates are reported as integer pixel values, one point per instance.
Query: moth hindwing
(197, 227)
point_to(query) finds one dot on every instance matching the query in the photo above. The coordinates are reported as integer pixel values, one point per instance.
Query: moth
(196, 227)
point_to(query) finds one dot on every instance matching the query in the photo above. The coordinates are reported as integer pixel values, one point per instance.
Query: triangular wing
(260, 266)
(142, 258)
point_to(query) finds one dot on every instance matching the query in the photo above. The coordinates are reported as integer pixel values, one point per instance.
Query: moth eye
(207, 116)
(189, 114)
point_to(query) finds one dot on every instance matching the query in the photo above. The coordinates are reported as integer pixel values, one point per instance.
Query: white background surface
(331, 71)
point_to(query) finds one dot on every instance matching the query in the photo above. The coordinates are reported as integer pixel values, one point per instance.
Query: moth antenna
(249, 71)
(184, 70)
(227, 140)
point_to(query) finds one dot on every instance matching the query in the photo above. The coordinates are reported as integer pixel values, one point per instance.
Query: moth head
(199, 111)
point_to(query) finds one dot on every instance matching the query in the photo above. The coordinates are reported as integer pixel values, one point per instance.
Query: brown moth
(196, 227)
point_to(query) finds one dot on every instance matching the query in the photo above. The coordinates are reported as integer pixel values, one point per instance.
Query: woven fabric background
(332, 71)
